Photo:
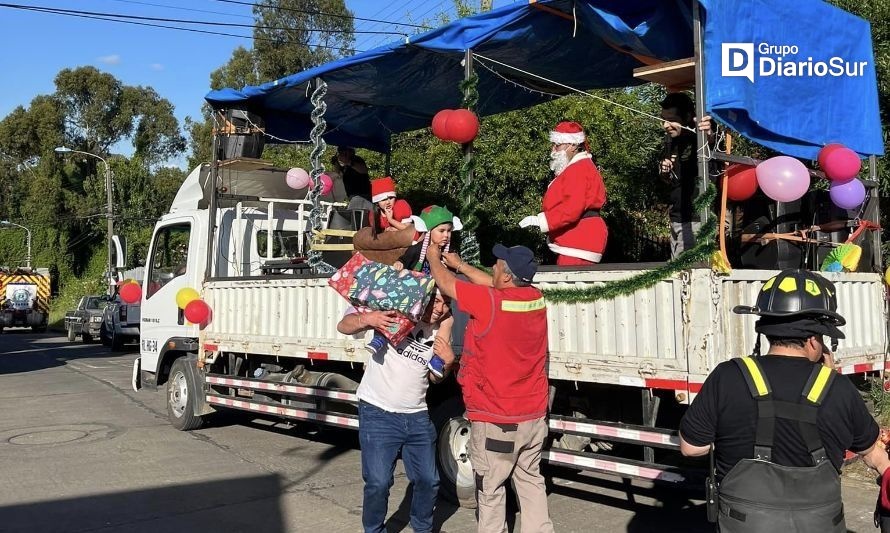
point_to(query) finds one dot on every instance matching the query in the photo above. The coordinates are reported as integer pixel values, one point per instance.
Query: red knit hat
(382, 188)
(568, 133)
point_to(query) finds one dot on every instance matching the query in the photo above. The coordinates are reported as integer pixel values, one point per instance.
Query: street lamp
(109, 211)
(28, 257)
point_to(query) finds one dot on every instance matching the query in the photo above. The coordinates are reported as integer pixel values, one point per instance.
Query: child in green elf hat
(432, 227)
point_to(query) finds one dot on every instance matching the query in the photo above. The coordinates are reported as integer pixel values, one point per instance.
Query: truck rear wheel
(456, 479)
(181, 398)
(71, 334)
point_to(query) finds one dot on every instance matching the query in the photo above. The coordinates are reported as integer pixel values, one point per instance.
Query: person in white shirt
(393, 414)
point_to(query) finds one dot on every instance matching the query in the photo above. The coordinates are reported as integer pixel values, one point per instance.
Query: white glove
(531, 220)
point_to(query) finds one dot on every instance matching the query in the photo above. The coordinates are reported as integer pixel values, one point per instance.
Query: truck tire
(71, 334)
(38, 329)
(86, 338)
(117, 342)
(181, 398)
(456, 480)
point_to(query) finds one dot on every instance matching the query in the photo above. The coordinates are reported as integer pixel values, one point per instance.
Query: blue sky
(176, 64)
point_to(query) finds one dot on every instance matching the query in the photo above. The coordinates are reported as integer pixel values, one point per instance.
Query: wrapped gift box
(380, 287)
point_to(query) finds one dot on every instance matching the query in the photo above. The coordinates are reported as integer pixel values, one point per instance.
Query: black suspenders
(803, 412)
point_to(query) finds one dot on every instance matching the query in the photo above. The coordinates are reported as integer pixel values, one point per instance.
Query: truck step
(285, 389)
(594, 462)
(342, 420)
(616, 432)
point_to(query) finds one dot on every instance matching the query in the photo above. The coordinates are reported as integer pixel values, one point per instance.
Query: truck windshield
(96, 303)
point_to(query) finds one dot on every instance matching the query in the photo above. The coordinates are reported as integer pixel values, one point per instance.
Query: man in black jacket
(779, 424)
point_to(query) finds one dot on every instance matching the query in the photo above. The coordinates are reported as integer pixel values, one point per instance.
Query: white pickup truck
(621, 369)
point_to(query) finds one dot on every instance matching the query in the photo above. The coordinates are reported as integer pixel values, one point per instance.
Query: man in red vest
(503, 378)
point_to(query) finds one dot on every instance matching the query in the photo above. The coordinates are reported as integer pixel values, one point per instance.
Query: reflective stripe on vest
(514, 306)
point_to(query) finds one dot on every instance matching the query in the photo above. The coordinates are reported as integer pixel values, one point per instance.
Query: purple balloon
(297, 178)
(783, 178)
(848, 195)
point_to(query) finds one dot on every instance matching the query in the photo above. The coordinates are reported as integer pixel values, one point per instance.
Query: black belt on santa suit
(590, 213)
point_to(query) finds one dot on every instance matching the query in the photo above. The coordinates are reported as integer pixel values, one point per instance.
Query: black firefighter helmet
(799, 297)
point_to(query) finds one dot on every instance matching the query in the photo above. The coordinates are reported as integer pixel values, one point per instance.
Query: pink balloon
(783, 178)
(848, 195)
(327, 184)
(297, 178)
(839, 162)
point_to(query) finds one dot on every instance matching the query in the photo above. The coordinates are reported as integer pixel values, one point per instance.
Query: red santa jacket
(570, 205)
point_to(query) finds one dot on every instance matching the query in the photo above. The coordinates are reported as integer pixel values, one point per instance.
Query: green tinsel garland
(702, 251)
(469, 246)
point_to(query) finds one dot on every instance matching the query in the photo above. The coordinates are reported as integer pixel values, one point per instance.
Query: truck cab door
(173, 264)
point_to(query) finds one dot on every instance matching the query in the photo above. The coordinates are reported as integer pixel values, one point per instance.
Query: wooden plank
(674, 74)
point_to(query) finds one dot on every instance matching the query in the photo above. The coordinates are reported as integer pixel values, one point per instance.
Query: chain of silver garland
(316, 262)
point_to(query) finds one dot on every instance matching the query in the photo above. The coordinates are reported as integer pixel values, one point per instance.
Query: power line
(166, 6)
(335, 15)
(182, 21)
(150, 25)
(388, 11)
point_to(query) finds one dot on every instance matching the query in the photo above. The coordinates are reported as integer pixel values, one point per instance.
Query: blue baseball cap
(520, 259)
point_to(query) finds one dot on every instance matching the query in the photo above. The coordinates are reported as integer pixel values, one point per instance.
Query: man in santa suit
(571, 206)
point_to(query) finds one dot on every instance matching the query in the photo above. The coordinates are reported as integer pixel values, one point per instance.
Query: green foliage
(293, 35)
(512, 173)
(290, 36)
(62, 199)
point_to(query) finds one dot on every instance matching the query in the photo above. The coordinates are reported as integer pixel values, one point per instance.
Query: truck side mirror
(119, 251)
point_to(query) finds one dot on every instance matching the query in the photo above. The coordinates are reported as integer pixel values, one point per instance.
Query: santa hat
(568, 133)
(382, 188)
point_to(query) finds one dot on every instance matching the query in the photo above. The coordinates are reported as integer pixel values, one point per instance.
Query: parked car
(86, 319)
(120, 324)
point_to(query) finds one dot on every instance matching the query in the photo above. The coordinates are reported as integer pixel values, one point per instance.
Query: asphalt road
(80, 451)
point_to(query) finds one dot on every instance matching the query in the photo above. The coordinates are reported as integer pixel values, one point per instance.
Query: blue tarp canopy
(586, 44)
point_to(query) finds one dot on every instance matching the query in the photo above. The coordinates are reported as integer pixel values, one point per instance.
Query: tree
(100, 111)
(290, 36)
(294, 35)
(62, 200)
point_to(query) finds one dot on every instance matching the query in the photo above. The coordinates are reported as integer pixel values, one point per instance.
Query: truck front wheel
(456, 479)
(181, 398)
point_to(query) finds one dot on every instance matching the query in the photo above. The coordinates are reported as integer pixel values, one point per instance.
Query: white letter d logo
(738, 60)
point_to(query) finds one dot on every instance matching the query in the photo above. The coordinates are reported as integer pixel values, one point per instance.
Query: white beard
(558, 162)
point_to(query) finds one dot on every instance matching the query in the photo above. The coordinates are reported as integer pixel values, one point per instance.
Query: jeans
(382, 434)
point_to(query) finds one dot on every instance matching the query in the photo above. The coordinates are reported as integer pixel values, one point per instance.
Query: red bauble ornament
(440, 124)
(197, 311)
(462, 126)
(741, 182)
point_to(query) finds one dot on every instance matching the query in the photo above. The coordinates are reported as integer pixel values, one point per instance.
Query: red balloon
(840, 163)
(197, 311)
(440, 121)
(130, 292)
(741, 182)
(826, 151)
(462, 126)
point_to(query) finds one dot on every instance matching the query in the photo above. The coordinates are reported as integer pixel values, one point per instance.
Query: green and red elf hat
(435, 215)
